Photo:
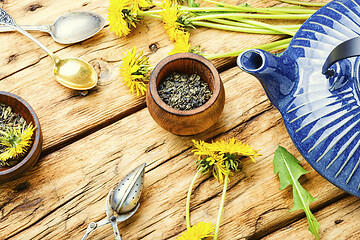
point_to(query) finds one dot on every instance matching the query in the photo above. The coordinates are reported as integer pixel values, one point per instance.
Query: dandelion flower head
(135, 70)
(209, 160)
(198, 232)
(170, 14)
(222, 157)
(16, 141)
(137, 5)
(232, 146)
(120, 20)
(181, 43)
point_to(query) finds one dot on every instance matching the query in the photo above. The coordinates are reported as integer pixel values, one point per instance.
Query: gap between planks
(257, 234)
(228, 64)
(222, 68)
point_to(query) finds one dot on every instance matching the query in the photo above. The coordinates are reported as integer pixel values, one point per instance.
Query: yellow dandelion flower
(198, 232)
(170, 15)
(209, 160)
(233, 146)
(138, 4)
(181, 43)
(16, 142)
(222, 157)
(201, 148)
(120, 18)
(135, 70)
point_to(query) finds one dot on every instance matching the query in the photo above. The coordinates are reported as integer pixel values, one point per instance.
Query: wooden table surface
(91, 142)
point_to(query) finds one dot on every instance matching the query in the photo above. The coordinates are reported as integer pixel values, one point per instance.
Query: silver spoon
(73, 72)
(71, 27)
(123, 199)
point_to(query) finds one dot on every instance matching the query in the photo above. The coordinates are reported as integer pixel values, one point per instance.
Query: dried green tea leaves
(183, 91)
(9, 119)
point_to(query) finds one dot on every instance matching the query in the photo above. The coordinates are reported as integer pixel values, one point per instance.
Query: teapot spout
(277, 74)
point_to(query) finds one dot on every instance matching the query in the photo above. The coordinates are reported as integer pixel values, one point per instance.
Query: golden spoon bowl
(74, 73)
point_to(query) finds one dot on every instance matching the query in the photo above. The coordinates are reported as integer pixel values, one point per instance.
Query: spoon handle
(42, 28)
(7, 20)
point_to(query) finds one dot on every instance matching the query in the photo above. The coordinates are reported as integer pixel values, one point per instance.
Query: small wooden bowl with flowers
(20, 136)
(180, 121)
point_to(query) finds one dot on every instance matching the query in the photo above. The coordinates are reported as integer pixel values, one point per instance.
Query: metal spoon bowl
(73, 73)
(71, 27)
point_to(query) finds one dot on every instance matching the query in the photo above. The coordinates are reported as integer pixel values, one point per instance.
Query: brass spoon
(73, 72)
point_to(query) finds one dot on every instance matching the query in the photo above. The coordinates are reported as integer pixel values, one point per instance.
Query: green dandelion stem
(301, 3)
(234, 28)
(152, 11)
(149, 14)
(234, 23)
(256, 16)
(221, 209)
(269, 26)
(255, 27)
(208, 9)
(188, 224)
(296, 10)
(237, 9)
(276, 45)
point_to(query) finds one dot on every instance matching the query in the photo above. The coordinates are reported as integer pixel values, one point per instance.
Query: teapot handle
(347, 49)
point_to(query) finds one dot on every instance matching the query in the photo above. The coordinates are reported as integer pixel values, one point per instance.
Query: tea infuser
(123, 200)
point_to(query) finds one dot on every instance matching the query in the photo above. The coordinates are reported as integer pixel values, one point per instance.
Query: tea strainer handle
(347, 49)
(115, 228)
(94, 225)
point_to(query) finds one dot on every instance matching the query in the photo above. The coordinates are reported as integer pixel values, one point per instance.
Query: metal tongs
(123, 200)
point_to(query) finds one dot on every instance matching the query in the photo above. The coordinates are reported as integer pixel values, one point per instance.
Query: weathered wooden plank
(65, 114)
(67, 188)
(338, 221)
(20, 52)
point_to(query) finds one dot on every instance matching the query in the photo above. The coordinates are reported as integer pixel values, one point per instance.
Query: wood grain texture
(68, 187)
(109, 132)
(24, 64)
(337, 222)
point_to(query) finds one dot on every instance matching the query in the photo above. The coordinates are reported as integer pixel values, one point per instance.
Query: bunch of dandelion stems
(241, 19)
(221, 208)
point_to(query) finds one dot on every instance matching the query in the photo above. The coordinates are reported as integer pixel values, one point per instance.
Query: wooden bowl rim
(201, 60)
(37, 138)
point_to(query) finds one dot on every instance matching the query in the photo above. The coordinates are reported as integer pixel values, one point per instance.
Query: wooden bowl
(20, 106)
(182, 122)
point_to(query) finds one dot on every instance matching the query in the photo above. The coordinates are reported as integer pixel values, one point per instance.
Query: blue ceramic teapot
(315, 84)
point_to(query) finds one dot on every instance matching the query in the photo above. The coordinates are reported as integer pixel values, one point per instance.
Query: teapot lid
(323, 115)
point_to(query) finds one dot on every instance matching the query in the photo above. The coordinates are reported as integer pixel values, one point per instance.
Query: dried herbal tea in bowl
(183, 91)
(15, 136)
